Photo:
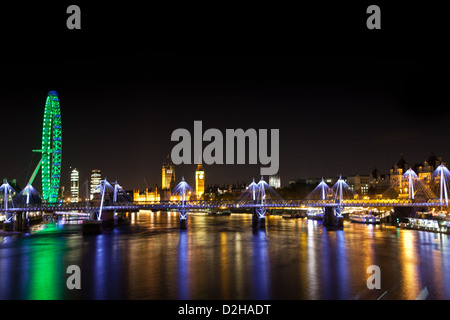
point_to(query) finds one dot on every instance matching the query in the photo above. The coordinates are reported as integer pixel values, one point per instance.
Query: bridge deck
(199, 204)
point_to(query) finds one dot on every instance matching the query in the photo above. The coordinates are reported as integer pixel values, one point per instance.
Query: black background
(346, 98)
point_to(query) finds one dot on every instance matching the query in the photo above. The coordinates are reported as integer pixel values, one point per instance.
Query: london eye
(51, 150)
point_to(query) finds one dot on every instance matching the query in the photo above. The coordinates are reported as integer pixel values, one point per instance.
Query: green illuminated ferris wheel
(50, 163)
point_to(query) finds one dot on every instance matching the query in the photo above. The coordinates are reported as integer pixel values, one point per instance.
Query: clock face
(200, 176)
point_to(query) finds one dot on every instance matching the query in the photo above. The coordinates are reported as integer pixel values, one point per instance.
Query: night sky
(338, 111)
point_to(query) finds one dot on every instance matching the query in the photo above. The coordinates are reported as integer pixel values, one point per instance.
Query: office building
(74, 186)
(96, 176)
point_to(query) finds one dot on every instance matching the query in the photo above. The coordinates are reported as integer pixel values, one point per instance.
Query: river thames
(222, 257)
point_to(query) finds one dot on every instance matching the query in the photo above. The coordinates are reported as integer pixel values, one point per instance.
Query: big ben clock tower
(199, 181)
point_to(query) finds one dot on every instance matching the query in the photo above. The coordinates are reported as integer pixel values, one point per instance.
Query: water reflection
(260, 274)
(410, 281)
(312, 262)
(444, 256)
(238, 270)
(6, 270)
(224, 267)
(343, 274)
(45, 270)
(183, 266)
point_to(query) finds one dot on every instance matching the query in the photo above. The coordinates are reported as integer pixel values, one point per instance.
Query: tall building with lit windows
(275, 181)
(359, 183)
(199, 181)
(74, 186)
(96, 176)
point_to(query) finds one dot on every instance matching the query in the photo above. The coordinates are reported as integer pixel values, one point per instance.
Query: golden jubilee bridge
(257, 198)
(222, 204)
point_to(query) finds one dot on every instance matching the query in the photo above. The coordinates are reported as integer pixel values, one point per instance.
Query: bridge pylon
(333, 216)
(444, 178)
(259, 196)
(259, 217)
(7, 192)
(95, 224)
(181, 189)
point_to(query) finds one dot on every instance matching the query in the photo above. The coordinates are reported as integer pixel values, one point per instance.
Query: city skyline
(328, 114)
(135, 139)
(165, 166)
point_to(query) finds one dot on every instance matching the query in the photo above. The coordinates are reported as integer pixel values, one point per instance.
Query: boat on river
(315, 214)
(292, 215)
(364, 217)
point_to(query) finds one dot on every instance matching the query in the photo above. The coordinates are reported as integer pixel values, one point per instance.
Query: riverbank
(431, 225)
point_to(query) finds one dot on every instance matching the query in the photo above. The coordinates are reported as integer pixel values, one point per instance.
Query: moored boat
(287, 215)
(364, 217)
(291, 215)
(315, 214)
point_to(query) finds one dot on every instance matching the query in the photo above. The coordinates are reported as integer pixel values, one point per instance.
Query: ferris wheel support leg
(30, 182)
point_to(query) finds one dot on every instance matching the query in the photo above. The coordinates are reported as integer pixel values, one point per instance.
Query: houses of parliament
(168, 183)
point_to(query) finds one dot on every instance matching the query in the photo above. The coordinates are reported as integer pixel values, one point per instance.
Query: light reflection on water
(223, 258)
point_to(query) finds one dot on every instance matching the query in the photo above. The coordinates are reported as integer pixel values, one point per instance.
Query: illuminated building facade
(224, 191)
(359, 183)
(378, 181)
(425, 170)
(275, 181)
(396, 173)
(393, 185)
(96, 176)
(146, 196)
(199, 181)
(74, 186)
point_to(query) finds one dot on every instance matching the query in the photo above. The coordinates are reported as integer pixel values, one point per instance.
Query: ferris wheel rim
(51, 148)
